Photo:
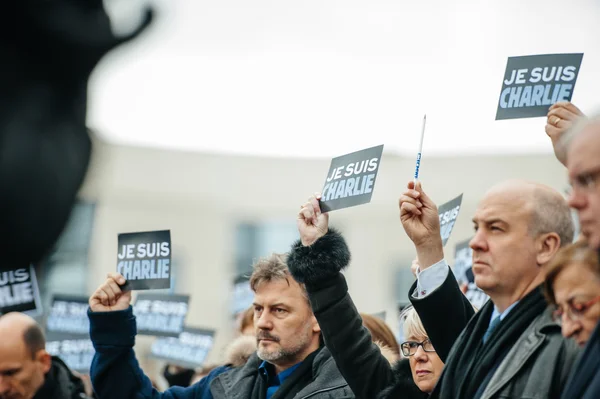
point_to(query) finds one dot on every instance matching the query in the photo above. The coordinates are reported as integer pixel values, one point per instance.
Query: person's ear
(44, 359)
(546, 247)
(316, 328)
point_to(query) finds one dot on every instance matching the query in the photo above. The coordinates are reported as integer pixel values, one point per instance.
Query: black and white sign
(351, 179)
(448, 213)
(190, 349)
(144, 259)
(533, 83)
(68, 314)
(19, 290)
(463, 263)
(160, 315)
(75, 350)
(243, 296)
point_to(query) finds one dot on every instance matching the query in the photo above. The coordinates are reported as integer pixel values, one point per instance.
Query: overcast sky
(323, 78)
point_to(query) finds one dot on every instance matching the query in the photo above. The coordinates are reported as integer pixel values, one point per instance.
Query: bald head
(519, 227)
(19, 329)
(546, 209)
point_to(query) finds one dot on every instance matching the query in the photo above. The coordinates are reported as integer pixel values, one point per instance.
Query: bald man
(511, 347)
(26, 370)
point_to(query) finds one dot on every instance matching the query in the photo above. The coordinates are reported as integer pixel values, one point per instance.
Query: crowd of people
(303, 337)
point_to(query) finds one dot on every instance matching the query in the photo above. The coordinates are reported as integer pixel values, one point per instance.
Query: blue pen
(419, 153)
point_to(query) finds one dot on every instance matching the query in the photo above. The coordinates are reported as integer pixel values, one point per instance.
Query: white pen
(420, 151)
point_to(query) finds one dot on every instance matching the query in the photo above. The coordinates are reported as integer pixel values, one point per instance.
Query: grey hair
(272, 268)
(413, 327)
(580, 124)
(551, 213)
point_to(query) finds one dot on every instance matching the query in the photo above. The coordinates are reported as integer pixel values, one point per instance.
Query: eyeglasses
(409, 348)
(586, 182)
(574, 311)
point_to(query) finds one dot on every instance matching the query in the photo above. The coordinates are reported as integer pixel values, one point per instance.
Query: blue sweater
(116, 372)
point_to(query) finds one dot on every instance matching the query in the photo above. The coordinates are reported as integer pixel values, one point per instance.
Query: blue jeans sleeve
(116, 373)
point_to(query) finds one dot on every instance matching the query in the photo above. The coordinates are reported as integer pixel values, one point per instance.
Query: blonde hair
(413, 327)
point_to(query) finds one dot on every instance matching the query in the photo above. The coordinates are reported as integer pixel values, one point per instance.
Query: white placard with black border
(351, 179)
(190, 349)
(242, 294)
(448, 213)
(144, 259)
(19, 291)
(77, 351)
(160, 315)
(463, 271)
(533, 83)
(68, 315)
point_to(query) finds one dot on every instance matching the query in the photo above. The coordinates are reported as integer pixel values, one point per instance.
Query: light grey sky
(323, 78)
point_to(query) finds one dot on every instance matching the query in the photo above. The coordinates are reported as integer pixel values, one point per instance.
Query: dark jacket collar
(60, 383)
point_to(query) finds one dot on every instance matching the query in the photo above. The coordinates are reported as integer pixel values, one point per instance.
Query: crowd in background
(303, 336)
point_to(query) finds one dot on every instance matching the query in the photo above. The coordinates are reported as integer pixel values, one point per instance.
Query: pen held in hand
(416, 178)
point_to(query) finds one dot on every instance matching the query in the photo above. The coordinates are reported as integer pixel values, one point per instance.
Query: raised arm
(316, 261)
(115, 371)
(436, 295)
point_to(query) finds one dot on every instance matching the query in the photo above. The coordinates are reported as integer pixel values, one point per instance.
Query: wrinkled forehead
(511, 205)
(13, 355)
(280, 291)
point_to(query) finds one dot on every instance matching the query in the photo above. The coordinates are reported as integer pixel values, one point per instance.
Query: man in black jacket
(511, 346)
(26, 370)
(290, 361)
(578, 150)
(316, 260)
(520, 226)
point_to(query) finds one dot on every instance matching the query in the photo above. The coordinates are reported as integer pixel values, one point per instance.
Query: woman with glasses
(425, 365)
(573, 287)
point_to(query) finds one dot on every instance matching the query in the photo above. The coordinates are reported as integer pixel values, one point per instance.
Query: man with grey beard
(291, 361)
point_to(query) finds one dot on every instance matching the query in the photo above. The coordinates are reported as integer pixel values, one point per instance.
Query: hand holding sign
(419, 217)
(109, 297)
(561, 117)
(312, 223)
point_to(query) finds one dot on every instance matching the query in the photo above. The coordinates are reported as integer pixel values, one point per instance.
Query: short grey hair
(272, 268)
(580, 124)
(551, 213)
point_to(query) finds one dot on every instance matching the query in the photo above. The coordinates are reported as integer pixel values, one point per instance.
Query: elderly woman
(573, 287)
(425, 364)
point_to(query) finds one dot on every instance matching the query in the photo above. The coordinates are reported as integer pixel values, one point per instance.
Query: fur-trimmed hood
(239, 350)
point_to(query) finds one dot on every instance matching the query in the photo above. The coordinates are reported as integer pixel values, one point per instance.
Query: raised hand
(419, 217)
(109, 297)
(561, 117)
(312, 223)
